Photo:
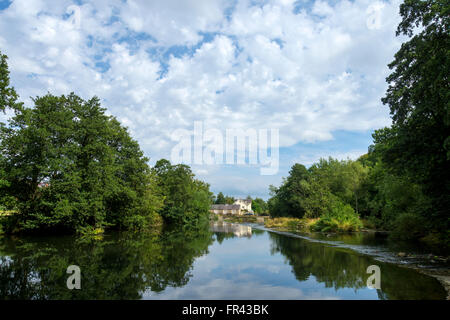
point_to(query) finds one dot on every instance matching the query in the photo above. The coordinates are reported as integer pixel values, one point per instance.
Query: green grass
(289, 224)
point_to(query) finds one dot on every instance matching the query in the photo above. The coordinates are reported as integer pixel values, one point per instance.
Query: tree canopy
(8, 96)
(187, 200)
(259, 206)
(71, 167)
(418, 143)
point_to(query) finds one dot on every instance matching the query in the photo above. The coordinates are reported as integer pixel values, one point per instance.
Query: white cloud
(173, 22)
(307, 73)
(227, 289)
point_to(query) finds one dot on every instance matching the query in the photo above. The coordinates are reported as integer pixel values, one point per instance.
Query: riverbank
(436, 266)
(338, 224)
(315, 225)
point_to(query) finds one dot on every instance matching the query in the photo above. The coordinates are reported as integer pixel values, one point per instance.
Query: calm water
(224, 262)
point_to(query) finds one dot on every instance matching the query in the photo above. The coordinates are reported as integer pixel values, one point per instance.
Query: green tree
(418, 144)
(259, 206)
(288, 199)
(8, 96)
(73, 168)
(386, 196)
(8, 99)
(229, 200)
(220, 199)
(319, 190)
(187, 200)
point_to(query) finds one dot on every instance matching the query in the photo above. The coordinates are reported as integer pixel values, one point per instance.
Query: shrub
(369, 223)
(291, 224)
(408, 226)
(8, 223)
(341, 218)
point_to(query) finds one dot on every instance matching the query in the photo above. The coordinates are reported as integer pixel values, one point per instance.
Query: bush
(369, 223)
(8, 224)
(409, 226)
(341, 218)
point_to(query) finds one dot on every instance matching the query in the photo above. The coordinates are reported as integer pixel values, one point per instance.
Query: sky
(312, 70)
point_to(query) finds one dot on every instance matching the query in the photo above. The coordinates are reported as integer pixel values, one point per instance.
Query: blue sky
(313, 70)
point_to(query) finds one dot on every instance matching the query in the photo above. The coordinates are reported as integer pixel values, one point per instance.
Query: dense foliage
(222, 199)
(339, 193)
(417, 146)
(259, 206)
(186, 200)
(71, 167)
(67, 166)
(330, 190)
(8, 96)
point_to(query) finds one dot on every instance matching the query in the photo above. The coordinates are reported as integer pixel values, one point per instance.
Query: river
(225, 261)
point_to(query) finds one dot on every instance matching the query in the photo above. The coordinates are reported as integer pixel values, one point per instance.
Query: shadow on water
(120, 266)
(341, 268)
(131, 266)
(382, 240)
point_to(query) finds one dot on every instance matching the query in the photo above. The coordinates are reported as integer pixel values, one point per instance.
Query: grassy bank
(289, 224)
(324, 224)
(313, 225)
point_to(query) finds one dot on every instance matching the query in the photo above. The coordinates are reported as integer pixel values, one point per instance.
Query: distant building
(239, 207)
(246, 204)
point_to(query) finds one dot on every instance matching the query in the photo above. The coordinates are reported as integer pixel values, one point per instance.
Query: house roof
(225, 207)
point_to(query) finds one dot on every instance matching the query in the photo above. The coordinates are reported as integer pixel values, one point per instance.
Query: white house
(239, 207)
(246, 204)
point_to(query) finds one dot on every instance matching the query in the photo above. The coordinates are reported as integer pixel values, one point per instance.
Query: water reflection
(237, 229)
(228, 261)
(121, 266)
(340, 268)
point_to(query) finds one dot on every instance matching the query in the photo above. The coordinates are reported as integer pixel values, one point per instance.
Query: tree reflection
(120, 266)
(129, 265)
(341, 268)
